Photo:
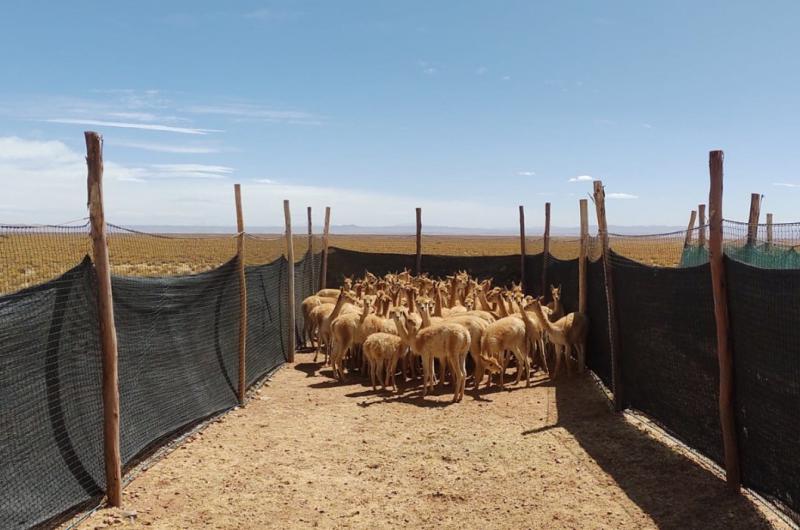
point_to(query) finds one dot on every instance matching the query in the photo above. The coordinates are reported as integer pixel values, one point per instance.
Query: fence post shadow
(673, 490)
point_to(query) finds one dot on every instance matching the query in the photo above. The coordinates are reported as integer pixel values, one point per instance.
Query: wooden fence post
(105, 312)
(522, 247)
(310, 251)
(769, 230)
(701, 237)
(582, 286)
(752, 223)
(546, 251)
(724, 352)
(419, 241)
(323, 273)
(290, 257)
(613, 324)
(242, 295)
(688, 241)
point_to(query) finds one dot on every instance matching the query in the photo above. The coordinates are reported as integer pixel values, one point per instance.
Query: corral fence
(180, 302)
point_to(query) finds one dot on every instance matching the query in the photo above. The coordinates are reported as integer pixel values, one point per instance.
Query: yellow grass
(32, 258)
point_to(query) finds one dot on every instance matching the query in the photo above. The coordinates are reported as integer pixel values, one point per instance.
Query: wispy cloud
(427, 67)
(129, 125)
(203, 171)
(621, 196)
(786, 184)
(248, 111)
(647, 126)
(526, 173)
(265, 181)
(506, 78)
(167, 148)
(481, 70)
(582, 178)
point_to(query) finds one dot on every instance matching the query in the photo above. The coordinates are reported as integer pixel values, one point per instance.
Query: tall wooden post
(582, 265)
(582, 285)
(546, 252)
(310, 251)
(769, 230)
(323, 273)
(522, 252)
(242, 295)
(688, 241)
(290, 257)
(419, 242)
(613, 324)
(701, 237)
(105, 312)
(724, 352)
(752, 223)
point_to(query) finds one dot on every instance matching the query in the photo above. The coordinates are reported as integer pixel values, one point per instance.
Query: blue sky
(465, 108)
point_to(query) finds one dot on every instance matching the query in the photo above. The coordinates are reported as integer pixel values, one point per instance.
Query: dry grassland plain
(30, 258)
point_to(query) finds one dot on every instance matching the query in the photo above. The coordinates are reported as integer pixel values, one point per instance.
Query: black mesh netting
(266, 318)
(764, 316)
(306, 283)
(178, 352)
(598, 343)
(533, 274)
(563, 273)
(51, 454)
(668, 349)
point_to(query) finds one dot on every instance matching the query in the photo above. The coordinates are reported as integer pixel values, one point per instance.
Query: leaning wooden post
(522, 252)
(724, 352)
(105, 312)
(290, 258)
(752, 223)
(323, 272)
(613, 325)
(701, 237)
(582, 286)
(769, 230)
(419, 242)
(242, 295)
(546, 251)
(692, 217)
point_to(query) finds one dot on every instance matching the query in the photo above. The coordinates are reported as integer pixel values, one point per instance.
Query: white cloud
(427, 67)
(526, 173)
(581, 178)
(248, 111)
(166, 148)
(621, 196)
(786, 184)
(506, 78)
(55, 175)
(265, 181)
(191, 171)
(481, 70)
(126, 125)
(647, 126)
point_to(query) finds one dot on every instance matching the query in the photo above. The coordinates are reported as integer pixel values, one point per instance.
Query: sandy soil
(308, 452)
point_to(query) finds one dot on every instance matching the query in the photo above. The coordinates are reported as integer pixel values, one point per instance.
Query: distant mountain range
(405, 230)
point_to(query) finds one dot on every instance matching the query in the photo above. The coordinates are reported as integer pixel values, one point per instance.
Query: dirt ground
(309, 452)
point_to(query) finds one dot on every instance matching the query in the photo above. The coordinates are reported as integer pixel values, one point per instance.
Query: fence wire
(34, 254)
(767, 246)
(672, 249)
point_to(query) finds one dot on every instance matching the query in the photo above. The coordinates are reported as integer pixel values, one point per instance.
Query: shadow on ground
(675, 491)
